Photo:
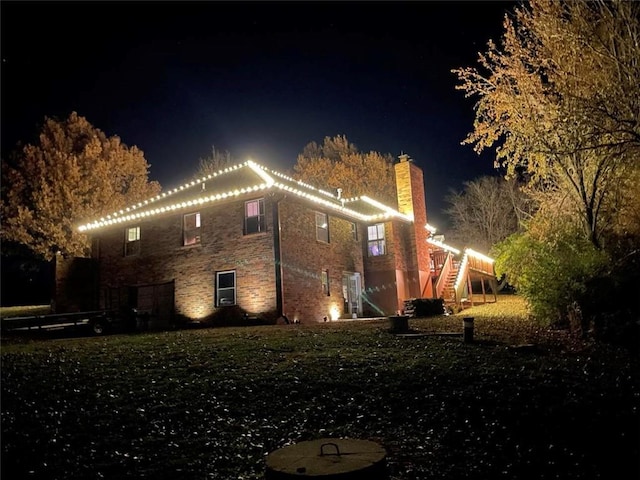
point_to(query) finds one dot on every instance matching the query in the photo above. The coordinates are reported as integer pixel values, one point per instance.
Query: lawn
(212, 403)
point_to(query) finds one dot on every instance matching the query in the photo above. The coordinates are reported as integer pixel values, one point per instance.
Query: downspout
(277, 250)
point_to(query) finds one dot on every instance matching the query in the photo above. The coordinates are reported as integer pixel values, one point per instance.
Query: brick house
(249, 241)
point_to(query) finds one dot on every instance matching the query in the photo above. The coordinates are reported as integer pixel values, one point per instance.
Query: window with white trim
(322, 227)
(225, 288)
(191, 228)
(254, 216)
(131, 241)
(376, 243)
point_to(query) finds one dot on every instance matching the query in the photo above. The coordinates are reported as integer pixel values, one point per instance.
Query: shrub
(553, 273)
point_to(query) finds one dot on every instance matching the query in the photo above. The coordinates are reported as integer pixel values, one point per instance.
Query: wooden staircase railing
(445, 268)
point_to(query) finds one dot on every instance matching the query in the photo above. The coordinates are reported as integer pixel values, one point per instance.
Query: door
(158, 302)
(351, 292)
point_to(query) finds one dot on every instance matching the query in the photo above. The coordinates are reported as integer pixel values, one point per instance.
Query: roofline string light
(175, 206)
(390, 211)
(125, 215)
(444, 246)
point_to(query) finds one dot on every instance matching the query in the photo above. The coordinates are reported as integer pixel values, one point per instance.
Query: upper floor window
(322, 227)
(132, 241)
(376, 243)
(354, 231)
(225, 288)
(254, 216)
(191, 228)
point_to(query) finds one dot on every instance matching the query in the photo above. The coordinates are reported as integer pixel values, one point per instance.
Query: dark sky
(259, 79)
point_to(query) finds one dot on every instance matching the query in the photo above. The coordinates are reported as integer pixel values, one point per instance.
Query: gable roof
(245, 179)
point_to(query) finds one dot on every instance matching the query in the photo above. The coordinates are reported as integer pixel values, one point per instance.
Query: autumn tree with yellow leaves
(337, 163)
(559, 99)
(73, 173)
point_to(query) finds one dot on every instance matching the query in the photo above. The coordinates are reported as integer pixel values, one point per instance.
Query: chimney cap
(404, 157)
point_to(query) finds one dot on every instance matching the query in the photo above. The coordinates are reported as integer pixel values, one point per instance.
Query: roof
(242, 180)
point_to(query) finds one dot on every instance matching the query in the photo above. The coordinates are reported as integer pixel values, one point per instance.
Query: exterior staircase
(447, 270)
(449, 291)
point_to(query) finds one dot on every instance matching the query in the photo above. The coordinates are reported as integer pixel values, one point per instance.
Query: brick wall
(386, 275)
(411, 201)
(304, 258)
(223, 246)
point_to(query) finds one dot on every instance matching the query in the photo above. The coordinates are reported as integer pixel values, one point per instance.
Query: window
(325, 282)
(132, 241)
(354, 231)
(254, 216)
(376, 242)
(191, 228)
(225, 288)
(322, 227)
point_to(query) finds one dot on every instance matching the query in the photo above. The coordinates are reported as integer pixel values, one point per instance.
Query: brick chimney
(411, 201)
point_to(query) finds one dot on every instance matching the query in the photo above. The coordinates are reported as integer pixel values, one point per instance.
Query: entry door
(351, 291)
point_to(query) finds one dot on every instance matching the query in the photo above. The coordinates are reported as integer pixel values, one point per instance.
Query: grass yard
(212, 403)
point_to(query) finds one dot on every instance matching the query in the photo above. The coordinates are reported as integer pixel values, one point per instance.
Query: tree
(337, 163)
(551, 273)
(487, 211)
(561, 101)
(73, 173)
(216, 161)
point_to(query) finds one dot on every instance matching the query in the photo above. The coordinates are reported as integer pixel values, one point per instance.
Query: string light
(478, 255)
(461, 270)
(444, 246)
(313, 194)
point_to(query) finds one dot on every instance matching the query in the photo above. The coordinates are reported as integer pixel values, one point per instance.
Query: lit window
(376, 242)
(132, 241)
(325, 282)
(254, 216)
(191, 228)
(225, 288)
(322, 227)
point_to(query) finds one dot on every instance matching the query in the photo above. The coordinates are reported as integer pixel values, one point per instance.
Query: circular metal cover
(328, 458)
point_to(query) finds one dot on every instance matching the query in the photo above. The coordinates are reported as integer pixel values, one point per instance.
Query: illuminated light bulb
(479, 255)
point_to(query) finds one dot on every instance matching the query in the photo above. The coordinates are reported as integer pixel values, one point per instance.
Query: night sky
(259, 79)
